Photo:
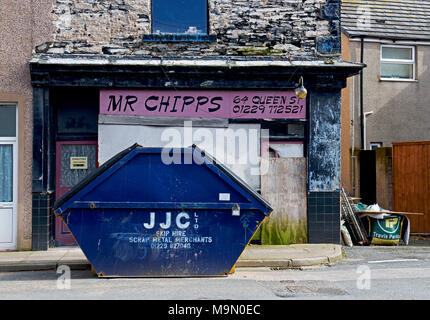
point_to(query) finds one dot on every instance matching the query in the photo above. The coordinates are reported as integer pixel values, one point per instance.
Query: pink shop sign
(203, 104)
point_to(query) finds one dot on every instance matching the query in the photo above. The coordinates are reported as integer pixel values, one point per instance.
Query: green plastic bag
(387, 231)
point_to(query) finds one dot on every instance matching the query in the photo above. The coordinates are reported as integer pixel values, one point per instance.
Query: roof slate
(391, 19)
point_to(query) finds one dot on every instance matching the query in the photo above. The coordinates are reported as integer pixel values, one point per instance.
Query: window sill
(179, 38)
(397, 80)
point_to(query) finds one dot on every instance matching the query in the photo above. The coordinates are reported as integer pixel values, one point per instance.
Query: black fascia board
(180, 77)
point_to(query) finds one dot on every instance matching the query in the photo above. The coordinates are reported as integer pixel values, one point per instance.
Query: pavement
(285, 256)
(290, 256)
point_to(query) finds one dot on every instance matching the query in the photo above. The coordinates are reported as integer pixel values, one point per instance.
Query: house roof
(389, 19)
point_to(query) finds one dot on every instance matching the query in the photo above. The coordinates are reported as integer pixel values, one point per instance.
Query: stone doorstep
(27, 267)
(283, 263)
(304, 262)
(292, 256)
(75, 265)
(13, 257)
(259, 263)
(331, 251)
(9, 261)
(44, 263)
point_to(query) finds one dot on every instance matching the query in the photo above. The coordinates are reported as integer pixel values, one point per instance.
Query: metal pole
(361, 96)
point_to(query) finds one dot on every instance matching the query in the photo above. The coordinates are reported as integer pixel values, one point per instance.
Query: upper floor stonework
(299, 29)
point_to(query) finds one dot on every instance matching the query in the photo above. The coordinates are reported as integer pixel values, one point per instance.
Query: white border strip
(388, 41)
(390, 261)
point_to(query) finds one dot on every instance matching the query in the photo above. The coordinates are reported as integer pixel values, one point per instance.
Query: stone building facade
(252, 27)
(88, 47)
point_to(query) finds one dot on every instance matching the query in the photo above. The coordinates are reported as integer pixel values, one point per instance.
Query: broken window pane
(179, 16)
(397, 71)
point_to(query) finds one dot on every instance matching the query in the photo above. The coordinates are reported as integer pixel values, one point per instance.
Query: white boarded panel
(237, 146)
(288, 150)
(284, 187)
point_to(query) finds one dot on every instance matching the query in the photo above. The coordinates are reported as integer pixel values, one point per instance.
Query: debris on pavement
(353, 225)
(373, 225)
(384, 227)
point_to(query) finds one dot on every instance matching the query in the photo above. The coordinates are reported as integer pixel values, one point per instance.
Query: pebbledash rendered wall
(251, 45)
(252, 27)
(19, 35)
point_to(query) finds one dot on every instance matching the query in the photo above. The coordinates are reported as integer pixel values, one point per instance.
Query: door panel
(6, 225)
(71, 171)
(75, 160)
(8, 177)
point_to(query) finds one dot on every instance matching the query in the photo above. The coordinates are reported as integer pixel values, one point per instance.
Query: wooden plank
(284, 187)
(392, 212)
(383, 192)
(411, 186)
(426, 186)
(411, 143)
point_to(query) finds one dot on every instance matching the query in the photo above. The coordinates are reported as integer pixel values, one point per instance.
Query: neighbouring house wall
(401, 108)
(24, 25)
(251, 27)
(346, 104)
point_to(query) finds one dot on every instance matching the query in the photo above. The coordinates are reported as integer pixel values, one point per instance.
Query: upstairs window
(375, 145)
(397, 63)
(181, 17)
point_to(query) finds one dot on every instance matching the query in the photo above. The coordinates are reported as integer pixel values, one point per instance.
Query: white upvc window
(397, 63)
(374, 145)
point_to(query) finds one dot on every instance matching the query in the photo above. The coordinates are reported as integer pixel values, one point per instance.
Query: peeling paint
(324, 147)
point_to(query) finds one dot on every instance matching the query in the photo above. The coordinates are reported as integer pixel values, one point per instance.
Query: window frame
(181, 37)
(374, 145)
(398, 61)
(15, 178)
(15, 137)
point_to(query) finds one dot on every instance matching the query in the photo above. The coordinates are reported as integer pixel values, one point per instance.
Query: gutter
(84, 60)
(361, 96)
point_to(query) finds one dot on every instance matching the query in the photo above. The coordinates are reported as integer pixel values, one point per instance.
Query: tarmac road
(365, 273)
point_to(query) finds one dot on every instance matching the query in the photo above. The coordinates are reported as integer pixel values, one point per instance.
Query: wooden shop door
(75, 160)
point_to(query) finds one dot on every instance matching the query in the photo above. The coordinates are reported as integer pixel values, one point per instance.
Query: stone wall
(242, 28)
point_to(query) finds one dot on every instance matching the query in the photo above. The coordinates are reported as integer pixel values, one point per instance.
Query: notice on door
(77, 163)
(203, 104)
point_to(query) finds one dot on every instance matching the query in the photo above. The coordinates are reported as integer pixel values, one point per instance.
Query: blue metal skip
(147, 213)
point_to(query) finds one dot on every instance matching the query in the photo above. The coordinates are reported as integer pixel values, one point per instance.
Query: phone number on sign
(245, 109)
(267, 104)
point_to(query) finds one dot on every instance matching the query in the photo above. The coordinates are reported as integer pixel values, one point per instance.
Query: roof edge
(210, 62)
